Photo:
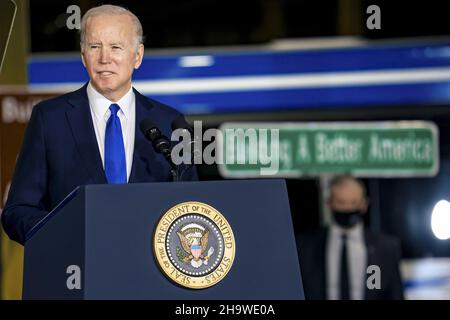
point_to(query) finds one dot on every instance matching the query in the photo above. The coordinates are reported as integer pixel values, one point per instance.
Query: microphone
(160, 142)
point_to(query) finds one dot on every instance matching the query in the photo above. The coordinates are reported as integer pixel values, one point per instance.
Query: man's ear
(328, 201)
(82, 58)
(139, 56)
(365, 205)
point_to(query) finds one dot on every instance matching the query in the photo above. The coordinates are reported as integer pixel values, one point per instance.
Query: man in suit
(334, 260)
(90, 136)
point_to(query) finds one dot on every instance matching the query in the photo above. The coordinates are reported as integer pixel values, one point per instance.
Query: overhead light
(196, 61)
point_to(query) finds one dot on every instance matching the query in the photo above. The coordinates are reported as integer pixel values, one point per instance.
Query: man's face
(347, 197)
(110, 54)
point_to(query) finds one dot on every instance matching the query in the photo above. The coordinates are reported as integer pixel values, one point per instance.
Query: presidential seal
(194, 245)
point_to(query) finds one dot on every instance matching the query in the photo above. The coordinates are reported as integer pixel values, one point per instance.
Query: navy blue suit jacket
(60, 152)
(382, 250)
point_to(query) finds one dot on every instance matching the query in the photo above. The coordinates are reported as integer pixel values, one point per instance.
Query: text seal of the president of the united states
(194, 245)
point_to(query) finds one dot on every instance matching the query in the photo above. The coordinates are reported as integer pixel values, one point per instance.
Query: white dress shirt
(100, 113)
(356, 257)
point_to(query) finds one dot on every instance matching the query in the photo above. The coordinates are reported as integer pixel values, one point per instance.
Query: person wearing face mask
(334, 260)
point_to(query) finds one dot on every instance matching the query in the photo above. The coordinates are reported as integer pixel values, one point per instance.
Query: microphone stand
(175, 173)
(174, 169)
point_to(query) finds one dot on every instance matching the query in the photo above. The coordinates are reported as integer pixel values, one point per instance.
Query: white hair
(109, 9)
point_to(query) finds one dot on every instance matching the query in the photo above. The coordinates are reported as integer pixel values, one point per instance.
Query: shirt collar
(354, 233)
(100, 105)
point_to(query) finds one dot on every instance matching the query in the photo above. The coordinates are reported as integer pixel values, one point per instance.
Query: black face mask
(347, 219)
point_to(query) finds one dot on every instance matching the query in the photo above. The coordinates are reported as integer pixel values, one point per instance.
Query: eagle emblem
(195, 240)
(194, 243)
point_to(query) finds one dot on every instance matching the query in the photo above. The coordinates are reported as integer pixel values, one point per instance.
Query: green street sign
(371, 149)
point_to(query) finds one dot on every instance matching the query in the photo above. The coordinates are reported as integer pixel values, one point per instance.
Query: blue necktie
(115, 163)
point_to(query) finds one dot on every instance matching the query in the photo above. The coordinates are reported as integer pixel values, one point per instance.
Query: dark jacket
(60, 152)
(382, 250)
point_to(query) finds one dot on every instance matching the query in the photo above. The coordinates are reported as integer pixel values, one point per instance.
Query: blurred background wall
(14, 72)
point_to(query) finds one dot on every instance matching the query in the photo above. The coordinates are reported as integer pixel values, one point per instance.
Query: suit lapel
(80, 121)
(144, 160)
(371, 258)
